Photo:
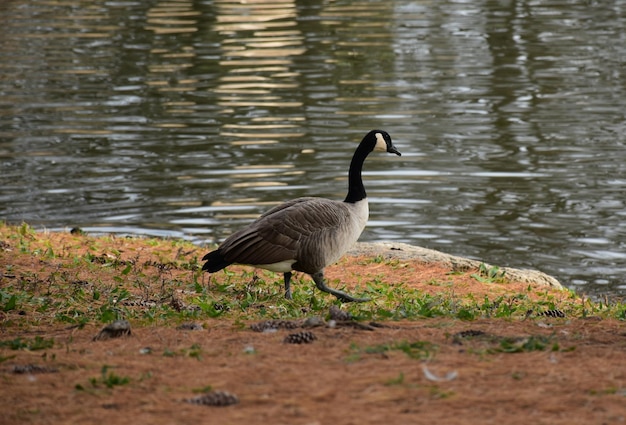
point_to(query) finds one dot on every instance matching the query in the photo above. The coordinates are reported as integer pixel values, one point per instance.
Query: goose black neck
(356, 190)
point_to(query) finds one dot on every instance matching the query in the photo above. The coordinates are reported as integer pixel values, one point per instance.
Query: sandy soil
(539, 370)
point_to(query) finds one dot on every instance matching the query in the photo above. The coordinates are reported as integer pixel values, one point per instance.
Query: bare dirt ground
(540, 370)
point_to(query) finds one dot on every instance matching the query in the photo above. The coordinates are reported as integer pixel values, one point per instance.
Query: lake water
(189, 118)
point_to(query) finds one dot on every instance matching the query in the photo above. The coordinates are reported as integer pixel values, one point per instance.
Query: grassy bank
(434, 346)
(76, 279)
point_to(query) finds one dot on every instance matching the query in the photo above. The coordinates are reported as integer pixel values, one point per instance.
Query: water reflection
(259, 44)
(191, 118)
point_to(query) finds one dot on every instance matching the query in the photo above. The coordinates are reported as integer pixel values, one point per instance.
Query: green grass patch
(489, 274)
(99, 280)
(107, 379)
(195, 351)
(419, 350)
(34, 344)
(526, 344)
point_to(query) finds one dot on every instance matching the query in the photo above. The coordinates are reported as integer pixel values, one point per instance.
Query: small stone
(115, 329)
(190, 326)
(77, 231)
(214, 398)
(313, 322)
(339, 315)
(304, 337)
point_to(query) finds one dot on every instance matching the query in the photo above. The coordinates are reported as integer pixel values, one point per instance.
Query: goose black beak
(392, 149)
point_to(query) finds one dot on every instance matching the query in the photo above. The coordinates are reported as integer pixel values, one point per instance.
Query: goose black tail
(215, 261)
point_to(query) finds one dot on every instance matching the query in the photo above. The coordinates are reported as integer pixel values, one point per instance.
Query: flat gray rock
(403, 251)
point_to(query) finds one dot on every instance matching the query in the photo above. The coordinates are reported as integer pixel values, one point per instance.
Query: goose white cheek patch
(381, 145)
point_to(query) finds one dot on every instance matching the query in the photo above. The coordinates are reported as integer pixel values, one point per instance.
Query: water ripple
(189, 119)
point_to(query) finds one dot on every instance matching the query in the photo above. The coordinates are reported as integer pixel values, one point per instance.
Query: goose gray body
(305, 234)
(289, 236)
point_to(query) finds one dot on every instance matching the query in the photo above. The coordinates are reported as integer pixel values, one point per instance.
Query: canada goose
(305, 234)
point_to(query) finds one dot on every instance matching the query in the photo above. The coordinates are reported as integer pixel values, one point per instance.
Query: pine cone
(273, 324)
(470, 333)
(177, 304)
(33, 368)
(304, 337)
(461, 336)
(552, 313)
(214, 398)
(221, 307)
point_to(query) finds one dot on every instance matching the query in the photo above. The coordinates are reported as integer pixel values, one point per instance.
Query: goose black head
(383, 142)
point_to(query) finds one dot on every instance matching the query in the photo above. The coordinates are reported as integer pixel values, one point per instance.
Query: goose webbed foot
(318, 278)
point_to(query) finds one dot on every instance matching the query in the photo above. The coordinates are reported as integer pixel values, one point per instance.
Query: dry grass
(507, 365)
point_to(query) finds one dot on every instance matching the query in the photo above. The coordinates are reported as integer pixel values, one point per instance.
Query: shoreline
(403, 251)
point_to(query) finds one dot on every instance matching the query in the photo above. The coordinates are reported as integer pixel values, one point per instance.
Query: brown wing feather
(285, 232)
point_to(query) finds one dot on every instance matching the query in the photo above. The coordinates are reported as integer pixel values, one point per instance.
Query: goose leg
(287, 277)
(318, 278)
